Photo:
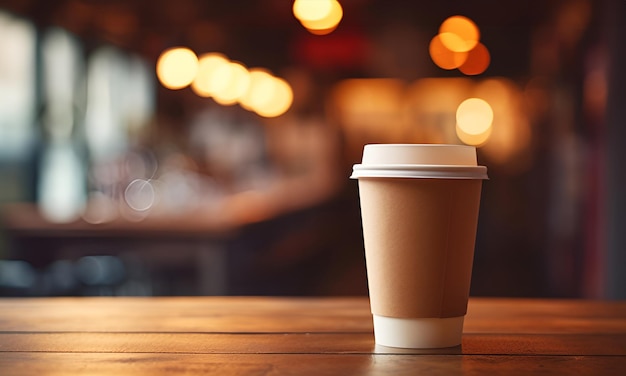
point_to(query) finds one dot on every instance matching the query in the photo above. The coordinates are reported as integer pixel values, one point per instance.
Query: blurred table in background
(159, 242)
(245, 246)
(299, 336)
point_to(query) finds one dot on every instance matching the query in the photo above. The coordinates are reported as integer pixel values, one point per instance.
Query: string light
(279, 101)
(213, 75)
(204, 82)
(176, 67)
(233, 84)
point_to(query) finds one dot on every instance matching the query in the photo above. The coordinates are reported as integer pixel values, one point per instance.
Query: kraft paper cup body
(419, 230)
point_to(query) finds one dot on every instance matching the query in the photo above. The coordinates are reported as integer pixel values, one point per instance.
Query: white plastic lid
(418, 333)
(434, 161)
(419, 154)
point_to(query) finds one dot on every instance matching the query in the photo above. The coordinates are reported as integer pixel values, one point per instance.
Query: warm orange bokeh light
(227, 82)
(369, 98)
(511, 136)
(443, 57)
(474, 116)
(459, 34)
(473, 139)
(176, 68)
(208, 64)
(312, 10)
(474, 121)
(477, 62)
(259, 90)
(326, 24)
(321, 31)
(233, 83)
(371, 108)
(281, 99)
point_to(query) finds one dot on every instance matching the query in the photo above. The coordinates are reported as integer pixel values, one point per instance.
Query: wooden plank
(196, 343)
(186, 314)
(487, 315)
(304, 343)
(260, 314)
(66, 364)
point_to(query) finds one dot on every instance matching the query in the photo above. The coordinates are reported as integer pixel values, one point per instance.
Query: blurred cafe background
(203, 147)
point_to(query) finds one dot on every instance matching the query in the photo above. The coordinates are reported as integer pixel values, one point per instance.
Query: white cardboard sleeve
(418, 332)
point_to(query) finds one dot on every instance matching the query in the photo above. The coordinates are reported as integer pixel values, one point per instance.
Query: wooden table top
(299, 336)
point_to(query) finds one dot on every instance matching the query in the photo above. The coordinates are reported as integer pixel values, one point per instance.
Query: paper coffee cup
(419, 208)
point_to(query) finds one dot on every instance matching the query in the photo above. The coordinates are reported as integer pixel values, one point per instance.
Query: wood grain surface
(299, 336)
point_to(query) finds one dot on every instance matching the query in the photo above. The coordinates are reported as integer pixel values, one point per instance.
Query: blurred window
(17, 85)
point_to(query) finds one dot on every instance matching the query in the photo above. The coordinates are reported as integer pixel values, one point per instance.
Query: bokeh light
(227, 82)
(458, 46)
(474, 116)
(140, 195)
(459, 34)
(443, 57)
(266, 95)
(477, 62)
(232, 81)
(372, 109)
(203, 84)
(259, 90)
(176, 67)
(500, 93)
(326, 24)
(509, 143)
(279, 101)
(312, 10)
(473, 139)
